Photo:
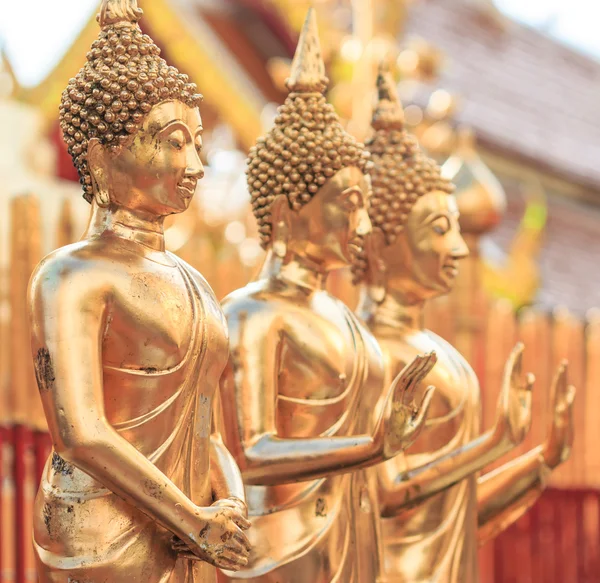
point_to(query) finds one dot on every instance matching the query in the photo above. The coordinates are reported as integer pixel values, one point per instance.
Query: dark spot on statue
(47, 515)
(153, 489)
(204, 531)
(226, 536)
(150, 370)
(60, 466)
(321, 508)
(70, 509)
(44, 370)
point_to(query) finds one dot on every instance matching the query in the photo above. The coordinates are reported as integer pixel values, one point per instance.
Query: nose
(363, 225)
(194, 166)
(460, 250)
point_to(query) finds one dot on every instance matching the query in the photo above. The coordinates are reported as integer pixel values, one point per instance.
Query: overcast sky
(36, 33)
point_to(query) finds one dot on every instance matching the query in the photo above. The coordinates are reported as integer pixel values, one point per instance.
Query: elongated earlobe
(96, 164)
(280, 227)
(376, 276)
(280, 242)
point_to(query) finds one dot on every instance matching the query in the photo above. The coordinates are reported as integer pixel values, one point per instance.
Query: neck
(396, 310)
(138, 226)
(299, 271)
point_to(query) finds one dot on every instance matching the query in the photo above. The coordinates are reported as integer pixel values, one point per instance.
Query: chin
(177, 207)
(446, 286)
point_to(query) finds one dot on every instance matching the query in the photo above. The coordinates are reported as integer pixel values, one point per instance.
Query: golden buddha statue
(129, 341)
(302, 391)
(435, 507)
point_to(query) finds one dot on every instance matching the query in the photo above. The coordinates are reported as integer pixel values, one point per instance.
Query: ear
(280, 225)
(98, 168)
(376, 276)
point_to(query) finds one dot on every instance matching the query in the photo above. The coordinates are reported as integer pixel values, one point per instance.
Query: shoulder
(77, 271)
(253, 307)
(206, 293)
(195, 275)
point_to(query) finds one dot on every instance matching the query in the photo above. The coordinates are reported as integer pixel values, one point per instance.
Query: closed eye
(441, 225)
(352, 199)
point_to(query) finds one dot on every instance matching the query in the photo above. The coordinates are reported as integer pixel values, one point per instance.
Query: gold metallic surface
(431, 498)
(129, 341)
(304, 392)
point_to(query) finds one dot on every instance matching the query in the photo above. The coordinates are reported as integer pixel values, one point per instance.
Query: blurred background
(503, 93)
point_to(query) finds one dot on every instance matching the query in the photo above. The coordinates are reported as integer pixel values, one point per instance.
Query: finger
(241, 521)
(428, 364)
(406, 373)
(525, 402)
(231, 565)
(529, 382)
(241, 538)
(560, 383)
(570, 398)
(424, 407)
(418, 368)
(234, 553)
(515, 362)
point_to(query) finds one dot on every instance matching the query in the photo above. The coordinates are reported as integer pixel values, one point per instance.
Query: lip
(451, 270)
(186, 189)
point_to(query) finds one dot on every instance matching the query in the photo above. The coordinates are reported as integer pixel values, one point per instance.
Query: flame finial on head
(307, 144)
(388, 112)
(116, 12)
(307, 73)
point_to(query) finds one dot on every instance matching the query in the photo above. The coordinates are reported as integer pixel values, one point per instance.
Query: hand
(221, 542)
(406, 419)
(560, 439)
(233, 502)
(513, 417)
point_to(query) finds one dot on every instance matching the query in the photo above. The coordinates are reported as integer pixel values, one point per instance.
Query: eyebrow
(174, 123)
(351, 190)
(181, 125)
(438, 215)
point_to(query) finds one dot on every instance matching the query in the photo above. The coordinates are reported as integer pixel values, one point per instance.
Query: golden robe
(83, 533)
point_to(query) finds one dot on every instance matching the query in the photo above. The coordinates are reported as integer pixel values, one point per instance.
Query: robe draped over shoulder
(84, 532)
(318, 531)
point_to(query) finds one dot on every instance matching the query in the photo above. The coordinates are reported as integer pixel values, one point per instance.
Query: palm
(407, 417)
(513, 419)
(560, 439)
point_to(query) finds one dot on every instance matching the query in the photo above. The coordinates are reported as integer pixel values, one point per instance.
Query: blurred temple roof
(524, 93)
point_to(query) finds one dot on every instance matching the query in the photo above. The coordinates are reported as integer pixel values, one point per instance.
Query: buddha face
(330, 228)
(158, 172)
(425, 256)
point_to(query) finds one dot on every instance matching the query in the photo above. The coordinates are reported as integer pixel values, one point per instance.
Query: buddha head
(131, 122)
(307, 176)
(416, 242)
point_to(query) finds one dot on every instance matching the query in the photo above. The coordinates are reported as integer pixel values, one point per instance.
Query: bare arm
(512, 423)
(69, 311)
(415, 485)
(249, 389)
(225, 477)
(505, 494)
